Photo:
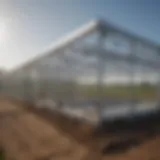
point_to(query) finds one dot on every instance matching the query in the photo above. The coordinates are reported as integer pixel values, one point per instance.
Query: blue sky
(29, 26)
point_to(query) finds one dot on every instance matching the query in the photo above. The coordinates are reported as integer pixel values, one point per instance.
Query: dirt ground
(30, 134)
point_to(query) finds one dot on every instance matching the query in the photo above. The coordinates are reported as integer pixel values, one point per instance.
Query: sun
(3, 32)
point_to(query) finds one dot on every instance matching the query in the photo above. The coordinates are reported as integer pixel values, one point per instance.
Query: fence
(98, 65)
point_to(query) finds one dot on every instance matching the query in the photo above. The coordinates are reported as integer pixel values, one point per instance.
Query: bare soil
(27, 133)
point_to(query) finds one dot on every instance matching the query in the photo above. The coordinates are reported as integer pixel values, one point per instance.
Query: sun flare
(3, 32)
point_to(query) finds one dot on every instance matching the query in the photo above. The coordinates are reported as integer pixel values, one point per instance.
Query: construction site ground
(27, 133)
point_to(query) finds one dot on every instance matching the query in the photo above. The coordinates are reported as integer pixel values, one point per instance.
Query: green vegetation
(120, 91)
(69, 89)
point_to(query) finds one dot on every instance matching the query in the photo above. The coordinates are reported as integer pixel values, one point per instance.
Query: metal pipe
(100, 69)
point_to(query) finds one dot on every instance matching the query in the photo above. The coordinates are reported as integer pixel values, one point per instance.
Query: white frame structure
(150, 57)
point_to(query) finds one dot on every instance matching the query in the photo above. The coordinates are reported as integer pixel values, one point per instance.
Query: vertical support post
(27, 86)
(41, 82)
(158, 81)
(158, 89)
(100, 69)
(46, 80)
(1, 84)
(71, 89)
(34, 77)
(132, 62)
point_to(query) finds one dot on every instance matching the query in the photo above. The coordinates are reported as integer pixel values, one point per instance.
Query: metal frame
(103, 29)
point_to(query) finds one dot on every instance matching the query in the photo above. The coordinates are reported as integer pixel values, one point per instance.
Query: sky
(27, 27)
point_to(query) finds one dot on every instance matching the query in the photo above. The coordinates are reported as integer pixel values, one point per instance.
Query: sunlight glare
(3, 32)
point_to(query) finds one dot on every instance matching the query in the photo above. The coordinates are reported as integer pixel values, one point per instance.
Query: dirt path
(25, 135)
(30, 134)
